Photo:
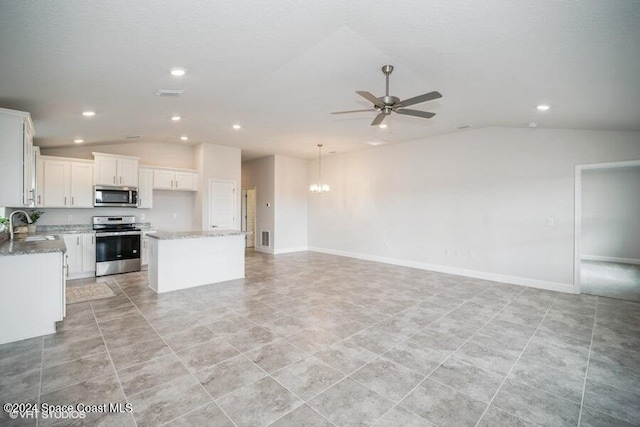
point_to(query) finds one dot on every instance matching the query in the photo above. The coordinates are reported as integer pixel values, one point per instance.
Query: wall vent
(169, 92)
(265, 239)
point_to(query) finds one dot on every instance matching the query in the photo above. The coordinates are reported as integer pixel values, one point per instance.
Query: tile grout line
(514, 365)
(113, 365)
(40, 382)
(177, 357)
(586, 374)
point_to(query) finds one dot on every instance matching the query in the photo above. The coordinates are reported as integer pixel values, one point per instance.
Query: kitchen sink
(39, 238)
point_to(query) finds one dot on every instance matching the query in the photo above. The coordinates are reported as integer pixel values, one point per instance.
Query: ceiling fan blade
(379, 118)
(423, 114)
(420, 98)
(352, 111)
(371, 98)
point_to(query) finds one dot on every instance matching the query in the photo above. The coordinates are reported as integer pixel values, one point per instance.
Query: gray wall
(611, 213)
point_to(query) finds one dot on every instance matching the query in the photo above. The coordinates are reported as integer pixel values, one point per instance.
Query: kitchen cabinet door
(88, 252)
(106, 171)
(163, 179)
(145, 188)
(81, 185)
(73, 242)
(55, 183)
(186, 181)
(128, 172)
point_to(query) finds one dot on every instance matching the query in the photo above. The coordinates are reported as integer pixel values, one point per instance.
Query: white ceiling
(280, 67)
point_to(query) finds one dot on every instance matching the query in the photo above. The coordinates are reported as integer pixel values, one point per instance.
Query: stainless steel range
(117, 244)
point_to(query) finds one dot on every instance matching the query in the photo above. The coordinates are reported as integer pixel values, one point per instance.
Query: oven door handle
(119, 233)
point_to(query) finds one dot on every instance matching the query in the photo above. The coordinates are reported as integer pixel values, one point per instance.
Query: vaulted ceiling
(279, 67)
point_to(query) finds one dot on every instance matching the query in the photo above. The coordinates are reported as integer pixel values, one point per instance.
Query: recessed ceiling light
(88, 113)
(383, 125)
(543, 107)
(237, 127)
(78, 141)
(178, 72)
(184, 138)
(376, 142)
(175, 118)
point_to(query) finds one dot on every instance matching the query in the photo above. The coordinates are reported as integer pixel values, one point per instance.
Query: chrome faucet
(11, 222)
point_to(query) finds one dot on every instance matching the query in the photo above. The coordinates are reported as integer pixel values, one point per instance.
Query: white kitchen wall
(494, 203)
(216, 162)
(172, 210)
(291, 194)
(611, 213)
(260, 173)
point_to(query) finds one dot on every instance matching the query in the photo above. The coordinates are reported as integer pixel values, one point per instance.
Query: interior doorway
(607, 247)
(249, 216)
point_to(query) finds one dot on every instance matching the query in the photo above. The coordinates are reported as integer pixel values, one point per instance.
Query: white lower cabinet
(81, 255)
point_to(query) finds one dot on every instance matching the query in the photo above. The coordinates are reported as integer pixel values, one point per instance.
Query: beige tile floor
(319, 340)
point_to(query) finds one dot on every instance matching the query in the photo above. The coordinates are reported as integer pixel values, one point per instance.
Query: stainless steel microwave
(115, 196)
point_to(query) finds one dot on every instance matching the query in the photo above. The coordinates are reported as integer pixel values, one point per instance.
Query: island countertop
(20, 246)
(175, 235)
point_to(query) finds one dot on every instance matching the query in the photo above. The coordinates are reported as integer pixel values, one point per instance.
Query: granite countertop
(21, 247)
(175, 235)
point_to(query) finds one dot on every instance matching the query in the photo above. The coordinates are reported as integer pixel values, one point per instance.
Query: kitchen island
(180, 260)
(32, 287)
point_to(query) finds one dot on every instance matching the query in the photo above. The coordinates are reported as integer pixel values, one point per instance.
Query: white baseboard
(610, 259)
(513, 280)
(290, 250)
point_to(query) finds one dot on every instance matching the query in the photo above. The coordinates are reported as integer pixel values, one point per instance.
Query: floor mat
(88, 292)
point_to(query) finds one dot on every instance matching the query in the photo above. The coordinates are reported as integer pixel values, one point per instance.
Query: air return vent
(265, 239)
(169, 92)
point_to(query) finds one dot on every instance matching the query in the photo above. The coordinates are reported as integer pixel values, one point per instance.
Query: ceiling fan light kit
(319, 187)
(387, 104)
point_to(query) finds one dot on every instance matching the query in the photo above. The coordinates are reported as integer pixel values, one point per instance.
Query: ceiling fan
(387, 104)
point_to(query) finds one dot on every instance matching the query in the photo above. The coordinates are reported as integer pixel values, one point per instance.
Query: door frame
(235, 200)
(243, 192)
(578, 209)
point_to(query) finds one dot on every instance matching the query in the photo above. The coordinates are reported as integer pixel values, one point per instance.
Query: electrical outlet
(447, 252)
(175, 215)
(142, 217)
(69, 218)
(550, 222)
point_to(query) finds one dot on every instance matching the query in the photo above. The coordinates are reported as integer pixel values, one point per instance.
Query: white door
(222, 204)
(106, 170)
(81, 185)
(163, 180)
(128, 172)
(55, 178)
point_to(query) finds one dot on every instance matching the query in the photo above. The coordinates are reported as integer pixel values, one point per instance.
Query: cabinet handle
(72, 201)
(65, 200)
(38, 199)
(92, 240)
(114, 179)
(120, 180)
(78, 240)
(176, 183)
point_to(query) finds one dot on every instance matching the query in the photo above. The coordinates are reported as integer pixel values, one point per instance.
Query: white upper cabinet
(81, 185)
(175, 179)
(113, 170)
(145, 188)
(63, 183)
(16, 159)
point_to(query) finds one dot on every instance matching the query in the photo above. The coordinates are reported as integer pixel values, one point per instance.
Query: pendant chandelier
(319, 187)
